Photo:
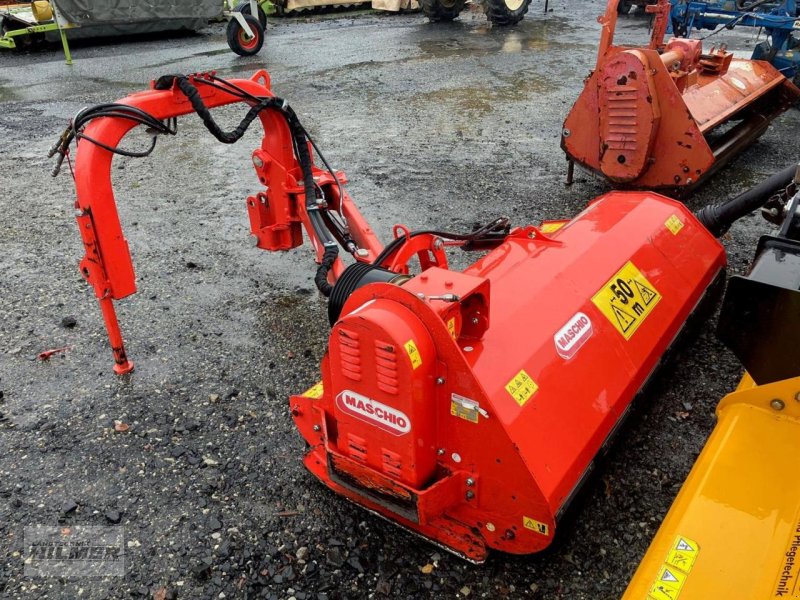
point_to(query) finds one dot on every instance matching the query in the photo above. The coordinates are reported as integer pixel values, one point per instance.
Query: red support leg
(122, 365)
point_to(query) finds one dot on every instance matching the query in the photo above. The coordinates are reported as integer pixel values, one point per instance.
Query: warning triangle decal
(624, 319)
(645, 292)
(667, 576)
(682, 545)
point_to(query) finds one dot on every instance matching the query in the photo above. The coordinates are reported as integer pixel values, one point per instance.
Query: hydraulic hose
(718, 218)
(303, 157)
(321, 278)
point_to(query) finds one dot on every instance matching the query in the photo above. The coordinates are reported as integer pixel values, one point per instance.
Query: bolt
(440, 452)
(258, 162)
(470, 494)
(689, 181)
(362, 252)
(475, 320)
(777, 404)
(438, 244)
(490, 527)
(440, 381)
(79, 212)
(317, 428)
(470, 482)
(467, 348)
(566, 132)
(532, 234)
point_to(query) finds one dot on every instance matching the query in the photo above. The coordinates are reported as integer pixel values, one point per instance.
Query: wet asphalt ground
(437, 125)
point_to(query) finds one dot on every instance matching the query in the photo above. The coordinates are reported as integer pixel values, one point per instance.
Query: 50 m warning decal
(627, 299)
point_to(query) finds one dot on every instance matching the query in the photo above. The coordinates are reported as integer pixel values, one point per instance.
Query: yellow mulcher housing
(733, 533)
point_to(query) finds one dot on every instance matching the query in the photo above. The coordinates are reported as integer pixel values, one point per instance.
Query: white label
(573, 335)
(373, 412)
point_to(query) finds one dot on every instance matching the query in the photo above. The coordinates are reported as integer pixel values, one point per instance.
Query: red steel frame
(276, 214)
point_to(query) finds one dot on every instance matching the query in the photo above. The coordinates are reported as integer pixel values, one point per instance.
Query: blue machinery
(780, 21)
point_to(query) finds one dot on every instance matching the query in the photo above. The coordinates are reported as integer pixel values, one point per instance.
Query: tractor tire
(244, 8)
(442, 10)
(506, 12)
(238, 40)
(624, 7)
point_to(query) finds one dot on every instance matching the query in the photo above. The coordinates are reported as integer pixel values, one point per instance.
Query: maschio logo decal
(573, 335)
(376, 413)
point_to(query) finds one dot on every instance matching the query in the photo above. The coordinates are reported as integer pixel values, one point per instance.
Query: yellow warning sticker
(315, 391)
(535, 525)
(668, 584)
(551, 226)
(683, 554)
(522, 387)
(413, 353)
(451, 326)
(674, 224)
(627, 299)
(673, 573)
(464, 408)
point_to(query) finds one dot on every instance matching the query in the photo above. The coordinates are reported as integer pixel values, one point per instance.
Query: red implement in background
(656, 117)
(465, 406)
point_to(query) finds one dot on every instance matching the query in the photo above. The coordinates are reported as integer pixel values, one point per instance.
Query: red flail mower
(467, 406)
(670, 114)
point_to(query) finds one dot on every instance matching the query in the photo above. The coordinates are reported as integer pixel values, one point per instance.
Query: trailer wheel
(506, 12)
(624, 7)
(240, 42)
(244, 8)
(442, 10)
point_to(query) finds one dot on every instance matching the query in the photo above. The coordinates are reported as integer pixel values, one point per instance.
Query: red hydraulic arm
(277, 214)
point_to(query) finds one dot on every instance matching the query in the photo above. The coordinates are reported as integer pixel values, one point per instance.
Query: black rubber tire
(499, 13)
(238, 41)
(244, 8)
(624, 7)
(442, 10)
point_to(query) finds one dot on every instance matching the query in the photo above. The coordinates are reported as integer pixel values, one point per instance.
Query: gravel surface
(195, 455)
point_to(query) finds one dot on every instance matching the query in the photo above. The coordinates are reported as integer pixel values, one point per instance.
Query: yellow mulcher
(733, 532)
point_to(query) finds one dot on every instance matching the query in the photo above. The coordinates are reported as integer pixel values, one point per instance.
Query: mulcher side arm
(276, 214)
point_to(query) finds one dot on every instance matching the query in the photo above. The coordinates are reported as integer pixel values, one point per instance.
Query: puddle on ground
(224, 50)
(481, 40)
(483, 98)
(7, 94)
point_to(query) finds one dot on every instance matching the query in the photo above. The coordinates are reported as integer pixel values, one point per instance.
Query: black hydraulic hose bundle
(121, 111)
(303, 157)
(481, 237)
(718, 218)
(488, 235)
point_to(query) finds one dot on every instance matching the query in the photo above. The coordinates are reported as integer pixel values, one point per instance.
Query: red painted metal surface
(497, 476)
(645, 115)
